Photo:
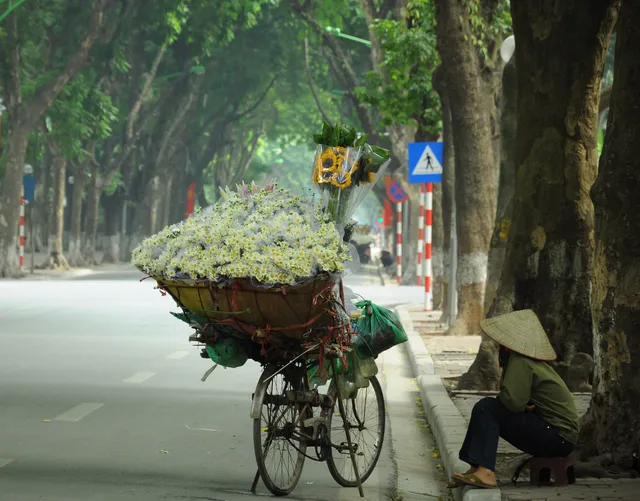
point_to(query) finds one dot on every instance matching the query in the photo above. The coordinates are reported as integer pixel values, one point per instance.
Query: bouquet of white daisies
(266, 234)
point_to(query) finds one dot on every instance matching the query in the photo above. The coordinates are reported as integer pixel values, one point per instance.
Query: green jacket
(527, 381)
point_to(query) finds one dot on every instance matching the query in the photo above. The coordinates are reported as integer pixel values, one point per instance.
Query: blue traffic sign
(425, 162)
(395, 193)
(29, 183)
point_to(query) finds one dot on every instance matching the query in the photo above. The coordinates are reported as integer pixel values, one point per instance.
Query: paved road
(101, 399)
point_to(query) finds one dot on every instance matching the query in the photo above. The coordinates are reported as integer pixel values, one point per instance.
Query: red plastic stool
(542, 469)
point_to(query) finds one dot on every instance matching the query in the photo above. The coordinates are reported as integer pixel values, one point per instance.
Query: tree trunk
(476, 182)
(75, 255)
(448, 188)
(616, 272)
(112, 216)
(24, 116)
(437, 252)
(56, 254)
(507, 184)
(484, 372)
(165, 202)
(91, 217)
(9, 203)
(550, 249)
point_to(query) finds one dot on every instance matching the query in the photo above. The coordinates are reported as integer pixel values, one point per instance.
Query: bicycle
(283, 412)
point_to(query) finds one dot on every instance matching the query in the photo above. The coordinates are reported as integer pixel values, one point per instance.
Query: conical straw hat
(522, 332)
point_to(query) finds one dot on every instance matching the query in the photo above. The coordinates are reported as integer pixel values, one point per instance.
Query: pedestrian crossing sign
(425, 162)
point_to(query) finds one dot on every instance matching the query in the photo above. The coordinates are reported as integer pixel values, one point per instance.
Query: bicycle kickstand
(254, 485)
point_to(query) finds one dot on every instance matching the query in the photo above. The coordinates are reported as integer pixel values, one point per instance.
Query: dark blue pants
(526, 431)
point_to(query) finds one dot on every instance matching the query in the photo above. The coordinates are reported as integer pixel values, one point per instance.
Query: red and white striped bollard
(399, 241)
(21, 246)
(420, 236)
(428, 293)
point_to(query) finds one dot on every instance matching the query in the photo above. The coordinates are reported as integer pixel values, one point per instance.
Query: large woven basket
(288, 311)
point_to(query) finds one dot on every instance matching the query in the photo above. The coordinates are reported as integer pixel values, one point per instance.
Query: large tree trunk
(9, 201)
(476, 180)
(484, 373)
(507, 184)
(56, 255)
(616, 272)
(448, 189)
(550, 249)
(74, 255)
(91, 217)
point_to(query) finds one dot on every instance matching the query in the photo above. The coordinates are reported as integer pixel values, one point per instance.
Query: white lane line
(139, 377)
(5, 462)
(177, 355)
(76, 413)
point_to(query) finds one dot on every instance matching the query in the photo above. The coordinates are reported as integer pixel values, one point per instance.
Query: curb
(65, 275)
(444, 418)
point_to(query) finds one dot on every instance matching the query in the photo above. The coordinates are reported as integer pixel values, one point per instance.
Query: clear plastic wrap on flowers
(345, 170)
(267, 235)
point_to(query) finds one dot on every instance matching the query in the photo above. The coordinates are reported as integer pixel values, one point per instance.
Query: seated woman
(534, 411)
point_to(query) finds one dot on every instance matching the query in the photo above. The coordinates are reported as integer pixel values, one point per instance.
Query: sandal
(455, 481)
(473, 480)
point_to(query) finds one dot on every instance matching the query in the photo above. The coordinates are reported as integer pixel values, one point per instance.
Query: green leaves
(346, 137)
(402, 91)
(339, 135)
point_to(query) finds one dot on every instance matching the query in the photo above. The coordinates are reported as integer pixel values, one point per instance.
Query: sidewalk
(438, 361)
(71, 274)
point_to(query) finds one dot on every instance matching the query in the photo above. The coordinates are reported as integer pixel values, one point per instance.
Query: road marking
(139, 377)
(177, 355)
(5, 462)
(78, 412)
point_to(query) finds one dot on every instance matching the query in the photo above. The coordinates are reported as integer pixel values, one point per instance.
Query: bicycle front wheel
(365, 418)
(279, 445)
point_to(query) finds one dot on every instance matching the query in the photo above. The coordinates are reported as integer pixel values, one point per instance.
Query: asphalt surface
(101, 399)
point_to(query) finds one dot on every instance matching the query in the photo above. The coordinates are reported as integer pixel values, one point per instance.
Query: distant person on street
(534, 411)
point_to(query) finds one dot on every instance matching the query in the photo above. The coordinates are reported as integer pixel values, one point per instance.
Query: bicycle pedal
(314, 423)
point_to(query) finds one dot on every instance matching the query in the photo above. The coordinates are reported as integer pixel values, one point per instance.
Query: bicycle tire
(265, 475)
(331, 459)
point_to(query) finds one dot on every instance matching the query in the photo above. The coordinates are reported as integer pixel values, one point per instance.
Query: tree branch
(135, 110)
(48, 92)
(340, 66)
(258, 102)
(12, 80)
(310, 80)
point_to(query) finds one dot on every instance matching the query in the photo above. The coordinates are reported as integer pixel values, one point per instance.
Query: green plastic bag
(378, 330)
(228, 352)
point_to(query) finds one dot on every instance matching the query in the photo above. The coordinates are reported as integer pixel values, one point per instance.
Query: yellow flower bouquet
(345, 169)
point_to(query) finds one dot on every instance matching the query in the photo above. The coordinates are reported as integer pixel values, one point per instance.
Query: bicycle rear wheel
(279, 445)
(365, 415)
